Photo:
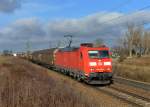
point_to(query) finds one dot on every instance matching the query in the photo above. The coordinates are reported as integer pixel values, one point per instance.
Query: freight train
(92, 65)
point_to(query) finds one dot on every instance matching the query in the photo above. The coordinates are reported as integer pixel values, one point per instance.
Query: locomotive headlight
(92, 63)
(107, 63)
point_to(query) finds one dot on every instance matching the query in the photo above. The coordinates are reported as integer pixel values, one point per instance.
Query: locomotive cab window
(98, 54)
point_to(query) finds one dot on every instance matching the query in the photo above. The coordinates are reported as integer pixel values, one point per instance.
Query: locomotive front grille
(100, 76)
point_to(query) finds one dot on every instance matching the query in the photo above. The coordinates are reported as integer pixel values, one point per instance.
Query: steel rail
(133, 83)
(125, 96)
(131, 93)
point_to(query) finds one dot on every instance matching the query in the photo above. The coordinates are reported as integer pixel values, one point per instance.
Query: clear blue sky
(61, 9)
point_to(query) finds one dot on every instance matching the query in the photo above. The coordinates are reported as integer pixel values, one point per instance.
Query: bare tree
(129, 38)
(146, 42)
(137, 40)
(134, 40)
(122, 48)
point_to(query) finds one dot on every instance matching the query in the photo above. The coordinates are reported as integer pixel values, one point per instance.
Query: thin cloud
(9, 6)
(107, 27)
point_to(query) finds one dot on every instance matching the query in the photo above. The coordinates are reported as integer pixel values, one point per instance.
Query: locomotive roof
(68, 49)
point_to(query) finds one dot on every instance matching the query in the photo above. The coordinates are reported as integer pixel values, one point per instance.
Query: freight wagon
(44, 57)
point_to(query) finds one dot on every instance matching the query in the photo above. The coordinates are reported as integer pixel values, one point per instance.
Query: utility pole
(28, 48)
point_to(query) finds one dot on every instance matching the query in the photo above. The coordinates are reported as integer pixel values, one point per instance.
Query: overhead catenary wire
(118, 6)
(122, 16)
(139, 24)
(139, 10)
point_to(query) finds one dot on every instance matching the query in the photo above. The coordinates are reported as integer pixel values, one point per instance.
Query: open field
(134, 68)
(23, 84)
(3, 59)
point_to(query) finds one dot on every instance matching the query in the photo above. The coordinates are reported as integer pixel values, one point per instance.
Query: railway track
(131, 93)
(129, 97)
(123, 93)
(136, 99)
(137, 84)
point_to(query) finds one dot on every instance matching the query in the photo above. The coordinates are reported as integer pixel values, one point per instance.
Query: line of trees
(136, 42)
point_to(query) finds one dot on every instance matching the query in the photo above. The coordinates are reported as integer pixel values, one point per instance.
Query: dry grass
(23, 84)
(134, 68)
(141, 61)
(3, 59)
(21, 87)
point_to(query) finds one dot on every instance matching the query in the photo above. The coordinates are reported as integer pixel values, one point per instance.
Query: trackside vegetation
(23, 84)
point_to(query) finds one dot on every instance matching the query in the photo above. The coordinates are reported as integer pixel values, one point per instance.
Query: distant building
(7, 53)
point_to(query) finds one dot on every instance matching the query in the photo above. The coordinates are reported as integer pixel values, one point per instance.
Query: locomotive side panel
(68, 59)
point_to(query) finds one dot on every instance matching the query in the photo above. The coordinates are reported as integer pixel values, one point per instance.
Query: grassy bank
(134, 68)
(23, 84)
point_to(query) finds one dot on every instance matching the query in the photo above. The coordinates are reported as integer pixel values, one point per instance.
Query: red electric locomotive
(90, 64)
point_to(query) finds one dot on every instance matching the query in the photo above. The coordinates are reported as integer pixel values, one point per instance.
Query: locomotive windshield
(98, 54)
